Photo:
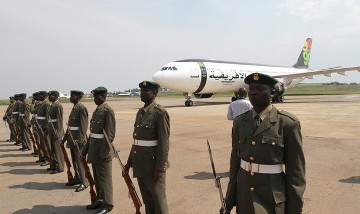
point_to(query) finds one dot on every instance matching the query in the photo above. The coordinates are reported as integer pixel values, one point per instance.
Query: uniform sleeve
(295, 169)
(83, 125)
(234, 168)
(110, 124)
(163, 133)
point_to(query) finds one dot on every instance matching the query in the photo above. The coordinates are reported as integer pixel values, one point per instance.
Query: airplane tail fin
(304, 57)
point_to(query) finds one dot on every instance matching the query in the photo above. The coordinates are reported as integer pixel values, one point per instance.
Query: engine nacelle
(199, 96)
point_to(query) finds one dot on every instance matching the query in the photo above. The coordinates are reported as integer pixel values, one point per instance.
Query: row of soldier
(48, 135)
(267, 163)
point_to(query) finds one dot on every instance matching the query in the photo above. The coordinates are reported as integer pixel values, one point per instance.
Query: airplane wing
(327, 72)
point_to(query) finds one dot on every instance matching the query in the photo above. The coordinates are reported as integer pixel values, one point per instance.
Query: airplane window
(174, 68)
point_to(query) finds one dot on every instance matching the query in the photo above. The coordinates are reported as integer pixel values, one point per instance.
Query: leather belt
(73, 128)
(15, 112)
(261, 168)
(97, 136)
(145, 142)
(40, 118)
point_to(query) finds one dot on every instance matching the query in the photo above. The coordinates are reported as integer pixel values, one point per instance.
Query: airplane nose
(158, 77)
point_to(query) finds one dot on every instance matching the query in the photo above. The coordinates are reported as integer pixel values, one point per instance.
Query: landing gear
(278, 99)
(188, 101)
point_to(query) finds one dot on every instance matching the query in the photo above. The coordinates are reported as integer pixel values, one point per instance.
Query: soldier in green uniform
(8, 119)
(56, 131)
(15, 117)
(267, 165)
(149, 153)
(98, 151)
(41, 120)
(33, 110)
(78, 124)
(23, 122)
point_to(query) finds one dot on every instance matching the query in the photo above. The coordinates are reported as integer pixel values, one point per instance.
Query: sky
(81, 44)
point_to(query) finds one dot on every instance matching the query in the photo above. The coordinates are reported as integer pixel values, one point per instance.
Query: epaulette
(160, 107)
(288, 114)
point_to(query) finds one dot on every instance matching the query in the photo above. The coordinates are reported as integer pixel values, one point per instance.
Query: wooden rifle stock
(28, 130)
(86, 168)
(132, 191)
(66, 157)
(36, 137)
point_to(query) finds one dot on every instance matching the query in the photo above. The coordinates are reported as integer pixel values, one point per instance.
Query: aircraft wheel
(281, 99)
(191, 103)
(188, 103)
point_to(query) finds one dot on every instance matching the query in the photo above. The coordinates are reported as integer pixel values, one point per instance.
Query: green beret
(22, 95)
(99, 91)
(53, 93)
(149, 85)
(260, 79)
(43, 93)
(76, 92)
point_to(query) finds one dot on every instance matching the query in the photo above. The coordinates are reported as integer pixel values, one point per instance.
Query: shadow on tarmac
(205, 175)
(351, 180)
(46, 209)
(41, 186)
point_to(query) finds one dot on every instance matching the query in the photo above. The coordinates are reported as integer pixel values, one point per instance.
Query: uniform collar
(262, 114)
(149, 106)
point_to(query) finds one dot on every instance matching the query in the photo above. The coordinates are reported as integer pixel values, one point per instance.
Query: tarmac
(331, 142)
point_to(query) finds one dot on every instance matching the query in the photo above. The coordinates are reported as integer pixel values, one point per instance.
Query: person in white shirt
(239, 106)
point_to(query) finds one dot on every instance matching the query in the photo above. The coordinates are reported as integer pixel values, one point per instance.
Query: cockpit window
(168, 68)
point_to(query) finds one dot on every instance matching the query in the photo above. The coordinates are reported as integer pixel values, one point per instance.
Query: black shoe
(45, 163)
(51, 169)
(94, 206)
(103, 211)
(55, 172)
(72, 183)
(80, 188)
(40, 161)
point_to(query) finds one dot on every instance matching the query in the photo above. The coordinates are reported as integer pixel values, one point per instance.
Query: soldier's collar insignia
(144, 83)
(256, 77)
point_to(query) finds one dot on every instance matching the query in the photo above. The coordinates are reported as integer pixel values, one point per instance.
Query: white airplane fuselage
(212, 76)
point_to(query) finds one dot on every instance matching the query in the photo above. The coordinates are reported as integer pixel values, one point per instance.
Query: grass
(301, 89)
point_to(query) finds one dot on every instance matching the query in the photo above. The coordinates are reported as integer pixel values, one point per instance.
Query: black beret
(149, 85)
(11, 97)
(76, 92)
(99, 91)
(22, 95)
(260, 79)
(35, 94)
(53, 93)
(16, 95)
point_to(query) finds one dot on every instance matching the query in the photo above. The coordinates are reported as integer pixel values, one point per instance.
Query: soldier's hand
(158, 175)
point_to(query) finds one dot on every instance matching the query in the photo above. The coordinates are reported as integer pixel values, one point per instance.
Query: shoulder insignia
(288, 114)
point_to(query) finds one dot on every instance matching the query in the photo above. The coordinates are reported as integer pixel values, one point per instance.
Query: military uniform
(78, 125)
(55, 127)
(42, 115)
(98, 151)
(149, 154)
(9, 120)
(15, 117)
(23, 122)
(267, 165)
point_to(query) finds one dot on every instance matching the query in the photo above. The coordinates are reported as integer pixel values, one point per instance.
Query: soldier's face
(147, 95)
(260, 95)
(99, 99)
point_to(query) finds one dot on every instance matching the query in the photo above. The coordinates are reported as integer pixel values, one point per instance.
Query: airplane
(61, 95)
(205, 77)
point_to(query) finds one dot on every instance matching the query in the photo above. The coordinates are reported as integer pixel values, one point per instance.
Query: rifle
(36, 148)
(86, 167)
(66, 157)
(133, 194)
(47, 146)
(37, 139)
(217, 180)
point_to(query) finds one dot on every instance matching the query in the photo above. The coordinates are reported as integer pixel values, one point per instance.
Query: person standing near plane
(78, 124)
(56, 131)
(240, 105)
(265, 140)
(98, 151)
(149, 153)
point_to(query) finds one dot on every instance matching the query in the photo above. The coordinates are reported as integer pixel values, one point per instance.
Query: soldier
(98, 151)
(149, 153)
(265, 140)
(15, 117)
(56, 131)
(8, 119)
(41, 124)
(33, 110)
(78, 125)
(23, 122)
